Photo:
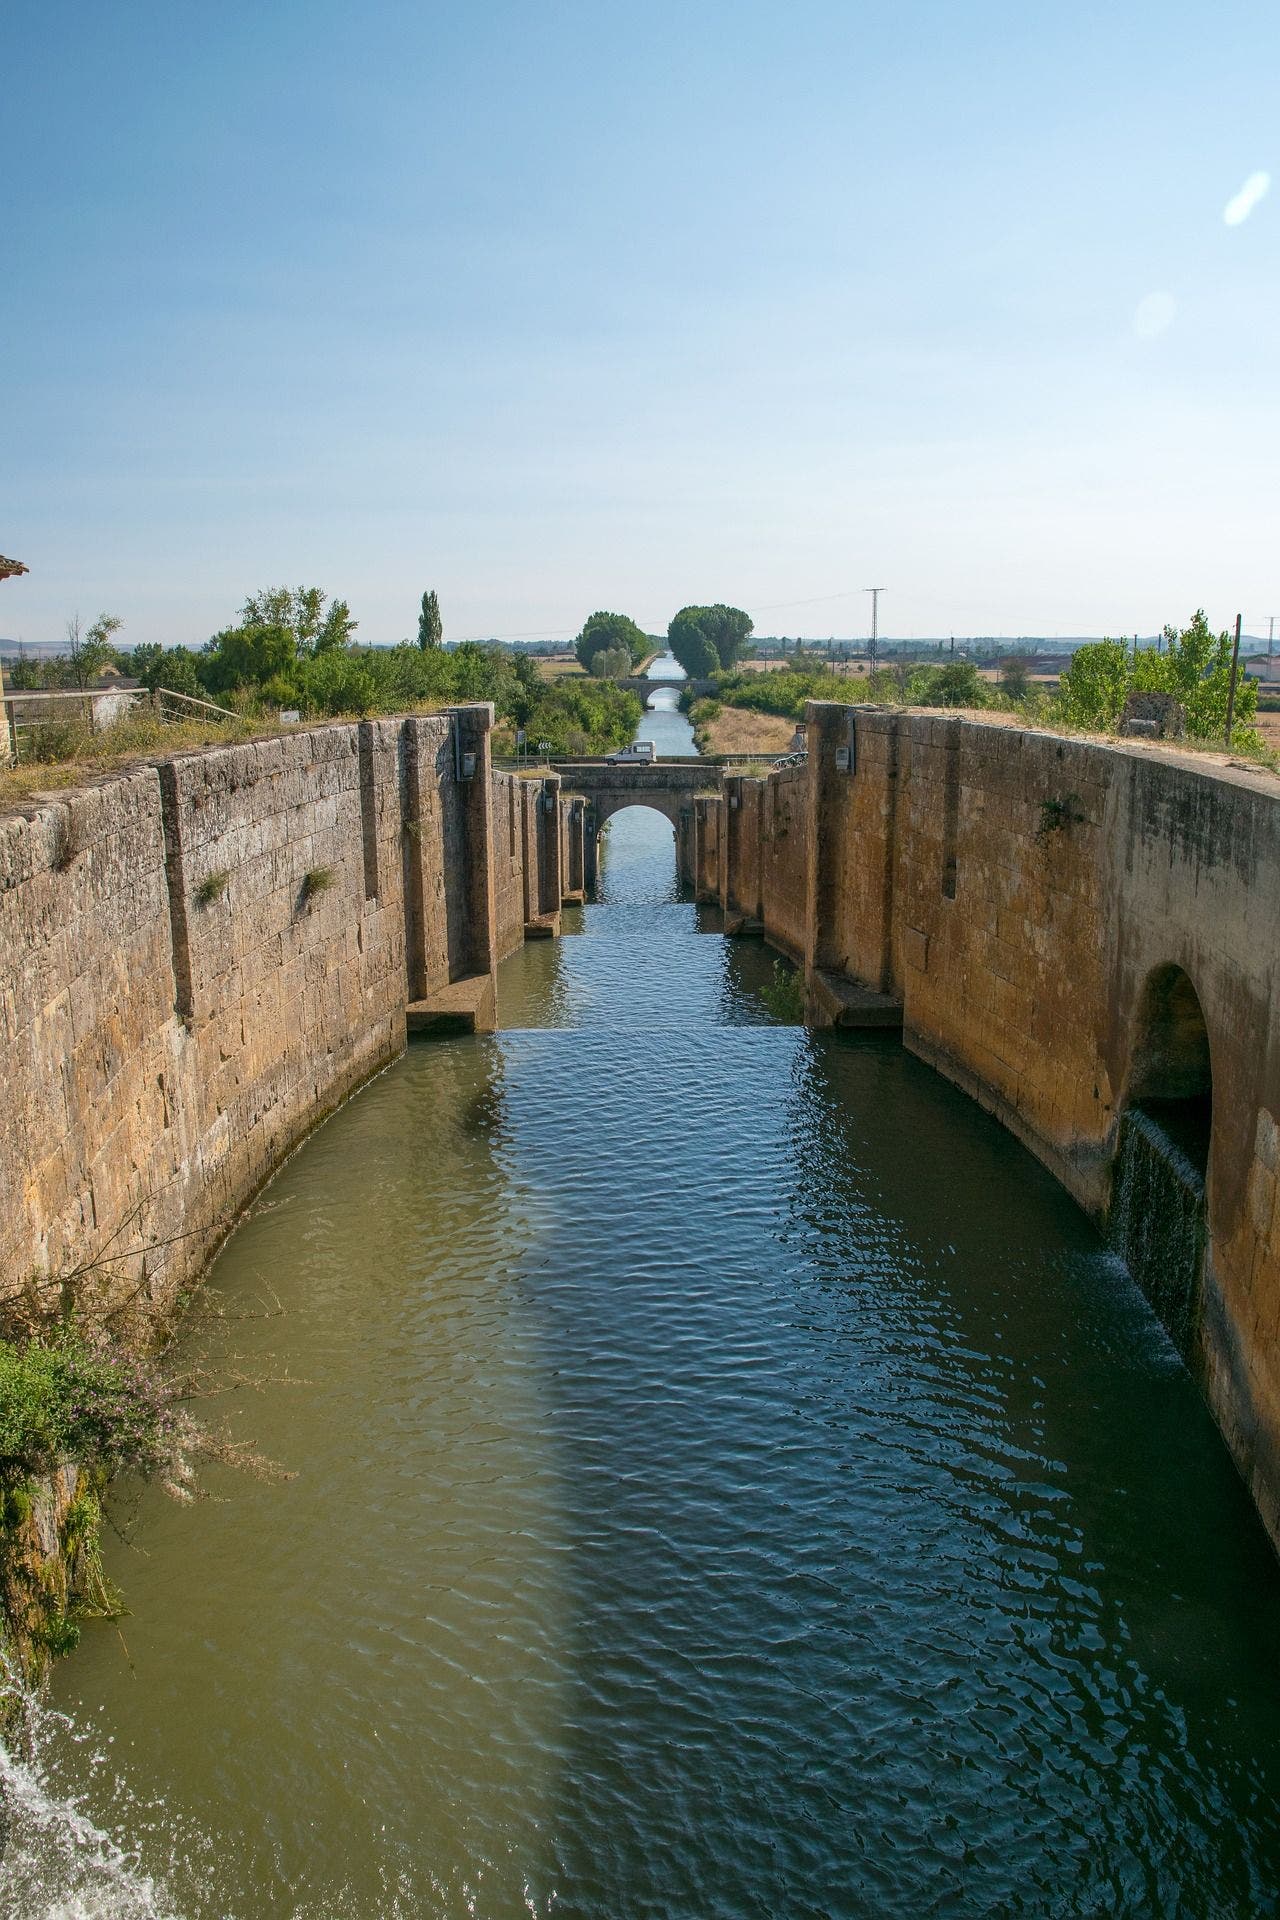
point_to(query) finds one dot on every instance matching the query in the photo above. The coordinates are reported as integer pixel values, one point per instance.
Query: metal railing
(27, 710)
(185, 706)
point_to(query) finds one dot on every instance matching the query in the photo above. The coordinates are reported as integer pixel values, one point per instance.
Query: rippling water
(732, 1481)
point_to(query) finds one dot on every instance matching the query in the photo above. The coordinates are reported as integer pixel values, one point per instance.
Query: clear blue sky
(557, 306)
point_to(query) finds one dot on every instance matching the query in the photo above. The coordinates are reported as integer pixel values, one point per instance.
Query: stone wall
(201, 958)
(783, 821)
(1030, 899)
(508, 862)
(743, 879)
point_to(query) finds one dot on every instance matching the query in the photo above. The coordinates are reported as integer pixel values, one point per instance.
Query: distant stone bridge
(641, 683)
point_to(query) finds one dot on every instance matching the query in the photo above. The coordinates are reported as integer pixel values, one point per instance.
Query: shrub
(317, 880)
(1193, 665)
(64, 1398)
(785, 996)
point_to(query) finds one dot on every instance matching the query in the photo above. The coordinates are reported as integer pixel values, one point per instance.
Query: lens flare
(1154, 314)
(1242, 204)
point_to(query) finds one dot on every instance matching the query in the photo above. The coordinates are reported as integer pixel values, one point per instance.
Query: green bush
(1193, 665)
(64, 1399)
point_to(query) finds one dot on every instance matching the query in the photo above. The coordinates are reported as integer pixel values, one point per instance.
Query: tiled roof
(9, 567)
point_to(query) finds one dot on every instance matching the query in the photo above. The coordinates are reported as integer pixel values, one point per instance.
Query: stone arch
(1170, 1067)
(667, 804)
(1158, 1190)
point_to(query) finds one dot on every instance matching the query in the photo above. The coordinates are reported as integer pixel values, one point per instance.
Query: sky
(559, 306)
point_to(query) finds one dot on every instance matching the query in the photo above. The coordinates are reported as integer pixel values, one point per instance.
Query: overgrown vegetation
(1193, 665)
(72, 1395)
(315, 881)
(82, 1384)
(136, 735)
(212, 887)
(920, 684)
(66, 1395)
(784, 997)
(1058, 815)
(293, 649)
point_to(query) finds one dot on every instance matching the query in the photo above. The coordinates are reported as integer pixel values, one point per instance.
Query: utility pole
(875, 593)
(1271, 645)
(1235, 669)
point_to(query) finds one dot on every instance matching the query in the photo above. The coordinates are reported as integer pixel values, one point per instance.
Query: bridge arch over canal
(669, 787)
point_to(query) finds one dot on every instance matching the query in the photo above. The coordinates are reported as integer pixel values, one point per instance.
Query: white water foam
(56, 1862)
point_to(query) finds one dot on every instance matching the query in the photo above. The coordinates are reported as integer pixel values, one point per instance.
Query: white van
(641, 753)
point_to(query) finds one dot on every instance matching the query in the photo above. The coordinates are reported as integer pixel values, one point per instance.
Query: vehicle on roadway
(641, 753)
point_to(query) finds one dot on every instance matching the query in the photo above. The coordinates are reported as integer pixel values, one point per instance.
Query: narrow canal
(731, 1481)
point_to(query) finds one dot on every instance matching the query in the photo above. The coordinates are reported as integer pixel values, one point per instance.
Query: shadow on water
(894, 1593)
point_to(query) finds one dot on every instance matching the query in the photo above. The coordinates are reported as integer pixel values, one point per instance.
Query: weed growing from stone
(212, 887)
(785, 996)
(1056, 816)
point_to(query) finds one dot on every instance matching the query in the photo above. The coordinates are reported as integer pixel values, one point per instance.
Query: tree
(610, 663)
(1194, 666)
(705, 639)
(249, 656)
(430, 625)
(90, 652)
(176, 668)
(612, 630)
(1091, 693)
(958, 684)
(302, 611)
(691, 645)
(1013, 677)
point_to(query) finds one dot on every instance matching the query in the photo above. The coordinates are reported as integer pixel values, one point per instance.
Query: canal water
(731, 1480)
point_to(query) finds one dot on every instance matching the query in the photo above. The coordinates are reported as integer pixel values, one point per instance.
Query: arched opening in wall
(1162, 1159)
(637, 862)
(1171, 1075)
(663, 700)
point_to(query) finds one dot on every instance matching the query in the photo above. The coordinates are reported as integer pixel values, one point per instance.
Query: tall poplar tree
(430, 625)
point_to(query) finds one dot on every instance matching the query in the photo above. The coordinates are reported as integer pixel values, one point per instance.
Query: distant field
(852, 669)
(559, 665)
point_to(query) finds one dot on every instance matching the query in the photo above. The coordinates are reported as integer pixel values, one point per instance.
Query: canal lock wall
(1074, 931)
(200, 959)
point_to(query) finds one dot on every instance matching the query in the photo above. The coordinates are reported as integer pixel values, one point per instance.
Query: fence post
(10, 731)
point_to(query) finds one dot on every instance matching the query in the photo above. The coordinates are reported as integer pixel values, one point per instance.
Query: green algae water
(731, 1480)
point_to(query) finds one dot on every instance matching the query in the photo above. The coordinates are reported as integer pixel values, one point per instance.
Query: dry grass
(143, 736)
(739, 730)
